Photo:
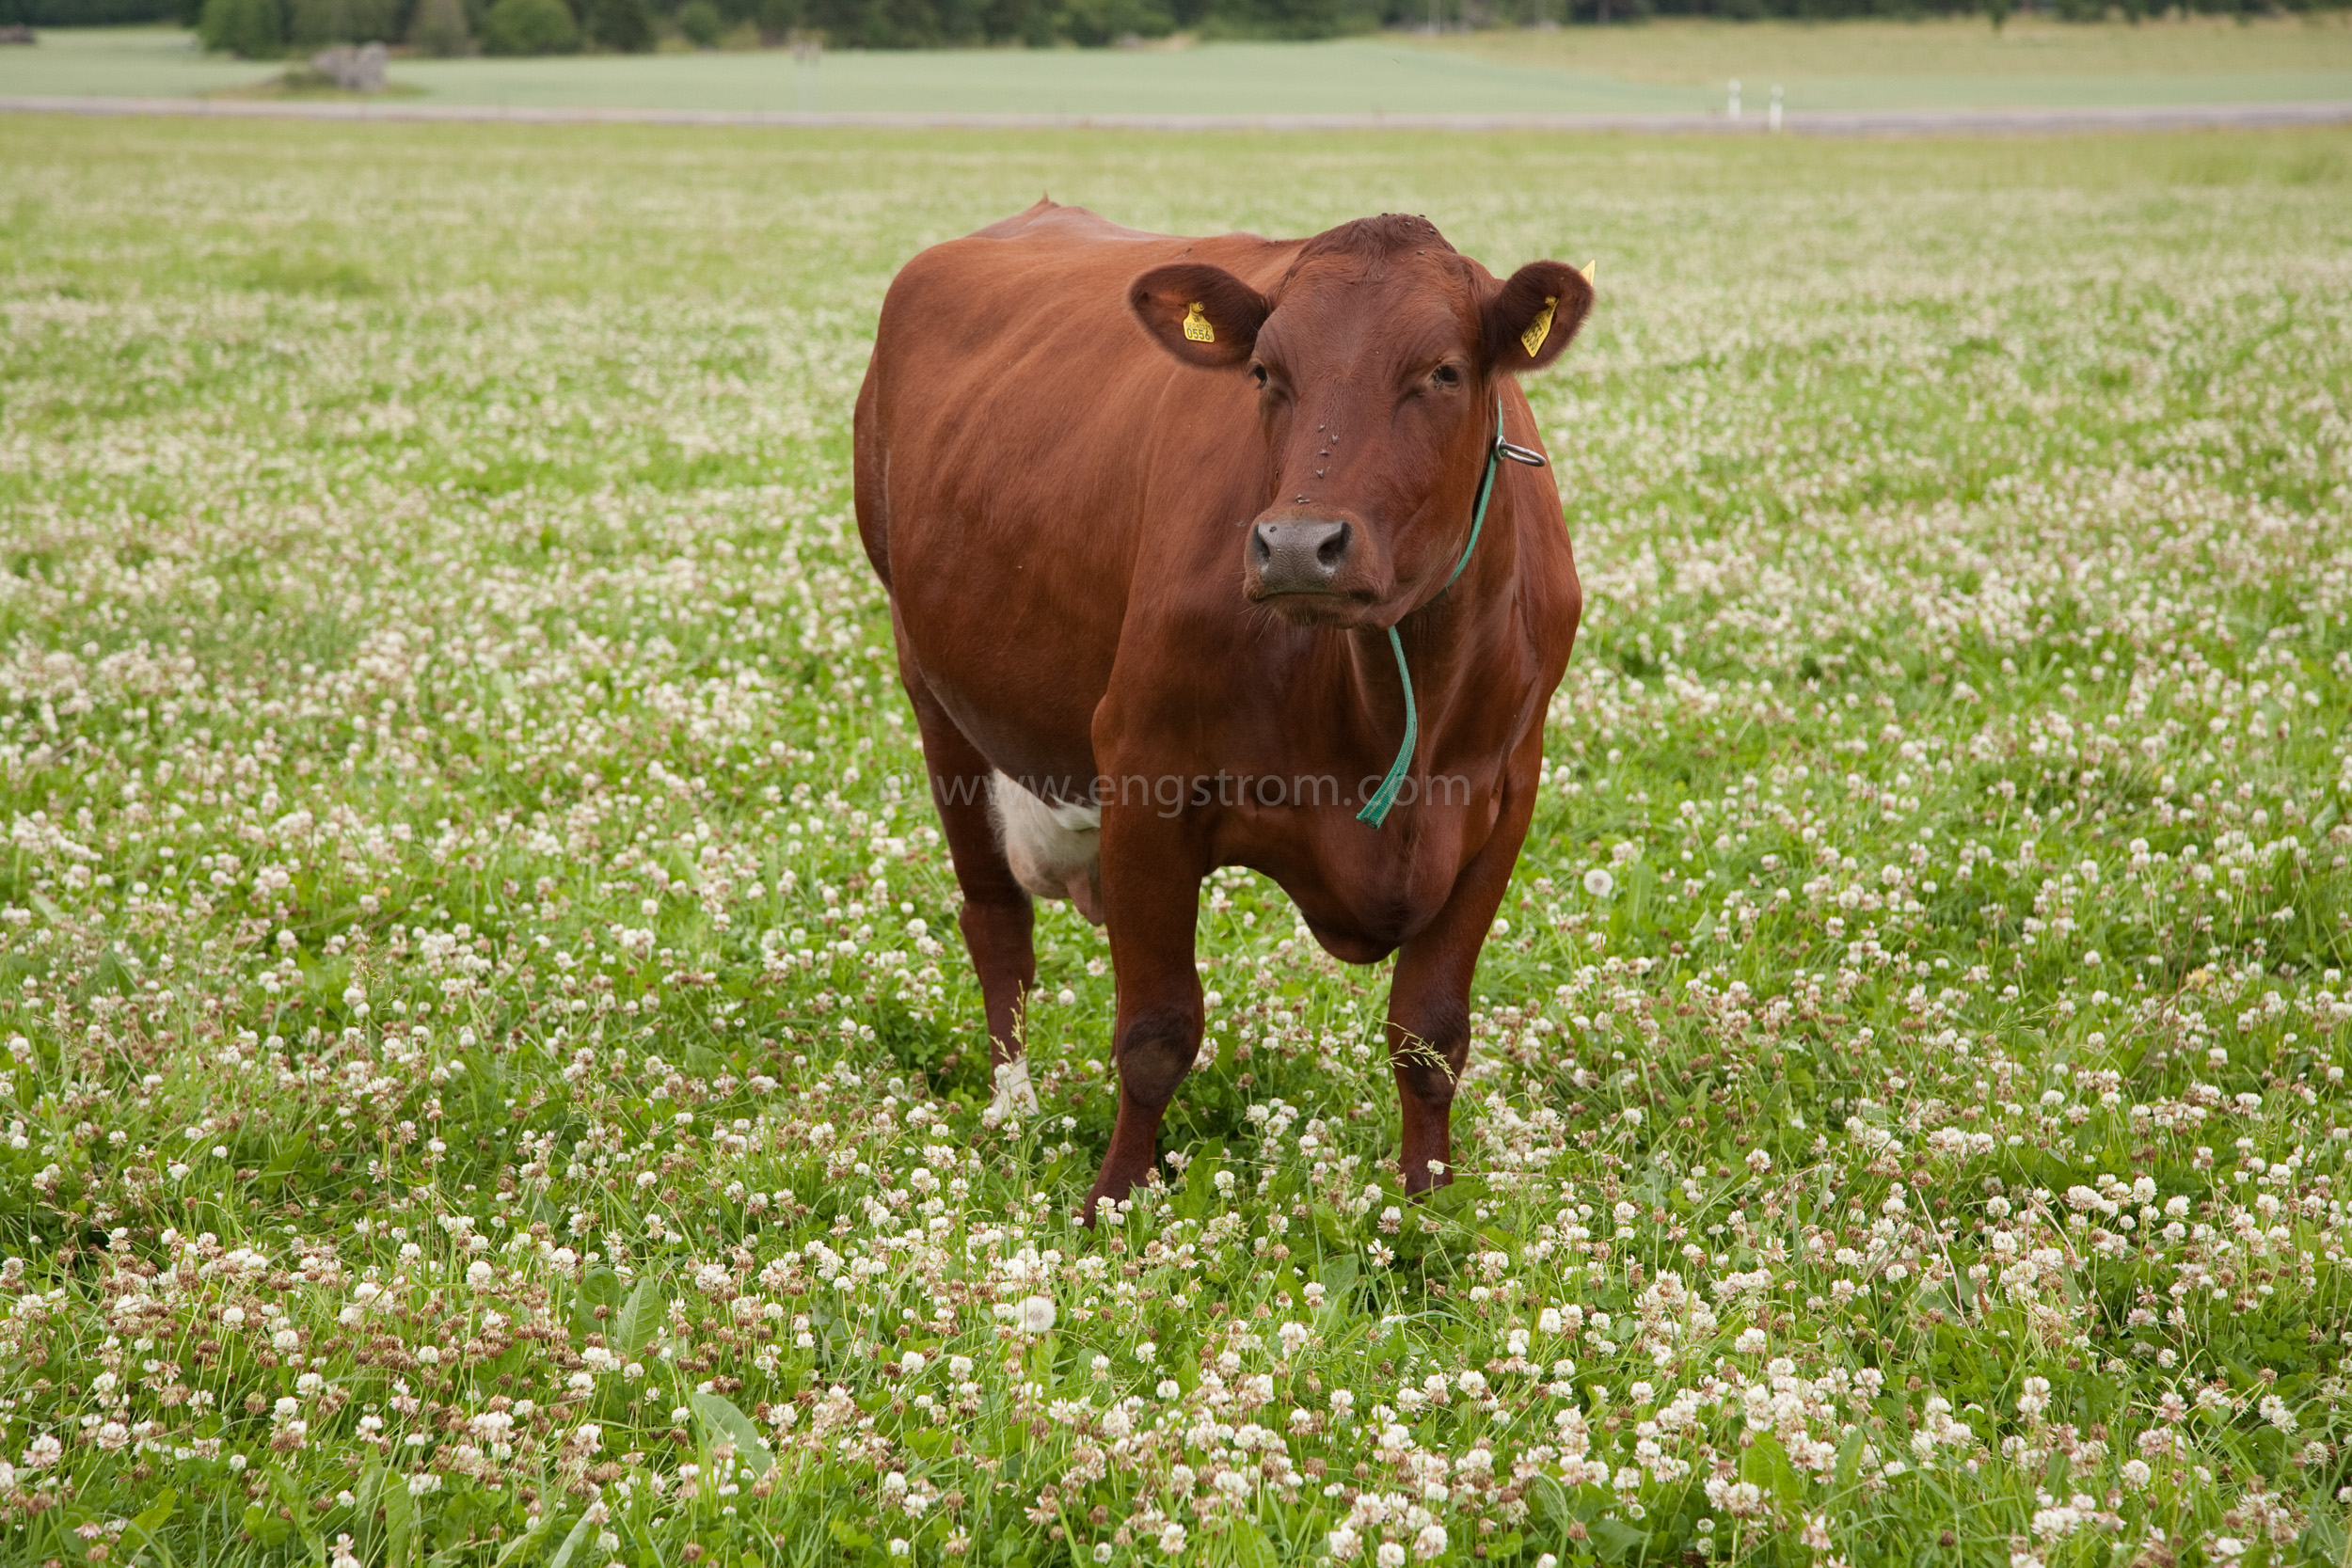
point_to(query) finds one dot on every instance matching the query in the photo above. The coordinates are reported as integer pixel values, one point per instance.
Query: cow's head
(1375, 361)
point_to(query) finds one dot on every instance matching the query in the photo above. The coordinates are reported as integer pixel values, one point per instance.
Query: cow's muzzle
(1298, 556)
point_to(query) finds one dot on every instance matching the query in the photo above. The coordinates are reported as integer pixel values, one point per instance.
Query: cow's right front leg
(1151, 897)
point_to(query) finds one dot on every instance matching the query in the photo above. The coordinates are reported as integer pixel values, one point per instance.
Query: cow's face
(1376, 364)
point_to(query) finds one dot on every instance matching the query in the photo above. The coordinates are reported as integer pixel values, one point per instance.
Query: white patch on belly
(1055, 850)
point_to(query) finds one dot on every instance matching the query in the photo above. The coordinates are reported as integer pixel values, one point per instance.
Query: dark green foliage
(628, 26)
(91, 13)
(529, 27)
(315, 23)
(250, 28)
(623, 26)
(1095, 22)
(439, 29)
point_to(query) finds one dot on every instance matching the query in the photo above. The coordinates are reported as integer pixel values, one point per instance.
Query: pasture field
(1659, 68)
(490, 1075)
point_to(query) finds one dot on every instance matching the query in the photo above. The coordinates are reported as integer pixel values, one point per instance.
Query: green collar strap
(1376, 809)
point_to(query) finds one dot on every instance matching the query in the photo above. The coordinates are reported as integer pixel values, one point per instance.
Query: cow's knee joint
(1155, 1052)
(1428, 1063)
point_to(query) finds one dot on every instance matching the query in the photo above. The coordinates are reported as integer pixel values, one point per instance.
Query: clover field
(491, 1077)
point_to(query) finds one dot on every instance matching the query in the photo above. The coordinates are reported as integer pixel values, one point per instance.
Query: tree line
(269, 27)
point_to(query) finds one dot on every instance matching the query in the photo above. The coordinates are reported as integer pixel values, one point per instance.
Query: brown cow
(1154, 590)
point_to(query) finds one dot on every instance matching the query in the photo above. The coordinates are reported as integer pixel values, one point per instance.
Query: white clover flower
(1172, 1538)
(1390, 1555)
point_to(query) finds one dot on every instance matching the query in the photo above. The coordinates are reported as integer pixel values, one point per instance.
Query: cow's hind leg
(998, 918)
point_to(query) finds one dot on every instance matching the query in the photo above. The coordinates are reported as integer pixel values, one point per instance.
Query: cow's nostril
(1299, 556)
(1333, 548)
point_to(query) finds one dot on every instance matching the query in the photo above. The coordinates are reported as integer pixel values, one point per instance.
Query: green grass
(1661, 68)
(489, 1074)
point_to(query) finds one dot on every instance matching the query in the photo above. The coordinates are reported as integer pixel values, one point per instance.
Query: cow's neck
(1446, 642)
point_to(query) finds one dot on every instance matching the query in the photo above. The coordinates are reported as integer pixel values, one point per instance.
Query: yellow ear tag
(1586, 271)
(1540, 328)
(1197, 326)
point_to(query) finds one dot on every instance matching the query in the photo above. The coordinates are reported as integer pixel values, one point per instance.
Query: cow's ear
(1530, 319)
(1203, 315)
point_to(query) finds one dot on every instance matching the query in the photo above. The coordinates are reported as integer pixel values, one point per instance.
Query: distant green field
(1655, 68)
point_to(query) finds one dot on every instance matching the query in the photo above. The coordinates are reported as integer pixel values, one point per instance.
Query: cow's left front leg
(1429, 998)
(1151, 874)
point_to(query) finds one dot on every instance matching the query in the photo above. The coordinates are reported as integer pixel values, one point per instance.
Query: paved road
(1859, 122)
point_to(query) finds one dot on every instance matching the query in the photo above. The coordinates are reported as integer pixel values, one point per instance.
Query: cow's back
(1011, 418)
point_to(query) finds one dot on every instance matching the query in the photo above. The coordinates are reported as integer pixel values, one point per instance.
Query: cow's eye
(1257, 374)
(1446, 376)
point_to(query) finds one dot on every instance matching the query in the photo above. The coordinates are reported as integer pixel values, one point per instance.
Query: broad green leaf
(1551, 1502)
(1850, 1458)
(531, 1537)
(1251, 1549)
(282, 1167)
(579, 1533)
(721, 1419)
(400, 1520)
(1765, 1465)
(261, 1523)
(290, 1497)
(368, 1494)
(1617, 1540)
(142, 1531)
(635, 1325)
